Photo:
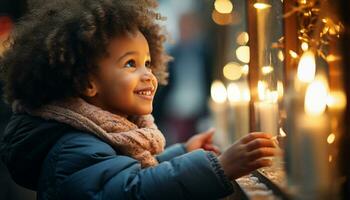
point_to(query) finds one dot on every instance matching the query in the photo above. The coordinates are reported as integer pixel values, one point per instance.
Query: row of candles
(310, 165)
(307, 103)
(231, 110)
(313, 111)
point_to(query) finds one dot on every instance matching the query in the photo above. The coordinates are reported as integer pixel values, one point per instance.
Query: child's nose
(147, 74)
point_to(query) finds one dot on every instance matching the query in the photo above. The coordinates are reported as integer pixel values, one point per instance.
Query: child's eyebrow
(130, 53)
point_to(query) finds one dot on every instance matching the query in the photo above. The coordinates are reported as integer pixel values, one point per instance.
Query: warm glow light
(331, 138)
(304, 46)
(302, 1)
(265, 94)
(280, 55)
(336, 100)
(245, 69)
(333, 30)
(223, 6)
(218, 92)
(237, 94)
(266, 70)
(316, 98)
(246, 95)
(262, 90)
(221, 19)
(243, 54)
(307, 67)
(280, 89)
(271, 96)
(282, 133)
(332, 58)
(330, 158)
(293, 54)
(233, 92)
(261, 6)
(232, 71)
(242, 38)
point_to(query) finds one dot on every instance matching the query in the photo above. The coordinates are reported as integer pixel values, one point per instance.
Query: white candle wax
(239, 120)
(219, 114)
(266, 116)
(312, 149)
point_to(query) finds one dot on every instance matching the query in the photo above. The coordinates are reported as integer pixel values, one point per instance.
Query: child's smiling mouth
(145, 93)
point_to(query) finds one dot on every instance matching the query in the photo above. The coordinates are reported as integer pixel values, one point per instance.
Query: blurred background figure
(10, 12)
(180, 106)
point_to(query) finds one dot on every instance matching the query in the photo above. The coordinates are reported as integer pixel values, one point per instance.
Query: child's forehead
(129, 42)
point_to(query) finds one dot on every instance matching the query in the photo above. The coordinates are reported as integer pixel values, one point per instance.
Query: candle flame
(304, 46)
(262, 6)
(218, 92)
(307, 67)
(316, 98)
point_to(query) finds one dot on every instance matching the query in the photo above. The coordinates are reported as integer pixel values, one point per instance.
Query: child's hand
(247, 154)
(202, 140)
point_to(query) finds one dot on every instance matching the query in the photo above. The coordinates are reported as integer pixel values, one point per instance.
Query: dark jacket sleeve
(84, 167)
(172, 152)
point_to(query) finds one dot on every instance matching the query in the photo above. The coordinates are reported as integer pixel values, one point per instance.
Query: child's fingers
(259, 143)
(260, 163)
(207, 136)
(255, 135)
(213, 148)
(261, 153)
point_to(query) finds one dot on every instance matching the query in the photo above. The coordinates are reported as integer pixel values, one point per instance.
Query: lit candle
(307, 67)
(239, 98)
(218, 107)
(312, 129)
(266, 110)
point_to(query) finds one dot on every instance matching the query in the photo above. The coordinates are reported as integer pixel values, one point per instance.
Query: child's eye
(148, 64)
(130, 63)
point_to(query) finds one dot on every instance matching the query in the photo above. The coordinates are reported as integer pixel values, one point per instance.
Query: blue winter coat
(60, 162)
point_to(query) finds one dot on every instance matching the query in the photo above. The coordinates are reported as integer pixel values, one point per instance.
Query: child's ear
(91, 89)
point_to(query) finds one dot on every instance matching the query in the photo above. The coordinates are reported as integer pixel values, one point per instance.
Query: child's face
(124, 83)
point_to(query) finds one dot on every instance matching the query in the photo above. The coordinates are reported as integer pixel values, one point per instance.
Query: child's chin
(145, 111)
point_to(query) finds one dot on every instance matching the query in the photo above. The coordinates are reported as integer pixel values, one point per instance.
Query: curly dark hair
(56, 46)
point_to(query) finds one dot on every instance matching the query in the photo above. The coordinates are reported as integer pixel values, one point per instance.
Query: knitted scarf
(137, 137)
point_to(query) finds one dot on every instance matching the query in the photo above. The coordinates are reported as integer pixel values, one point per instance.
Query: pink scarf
(139, 138)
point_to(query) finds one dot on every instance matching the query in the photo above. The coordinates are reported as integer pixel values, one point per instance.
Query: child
(80, 76)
